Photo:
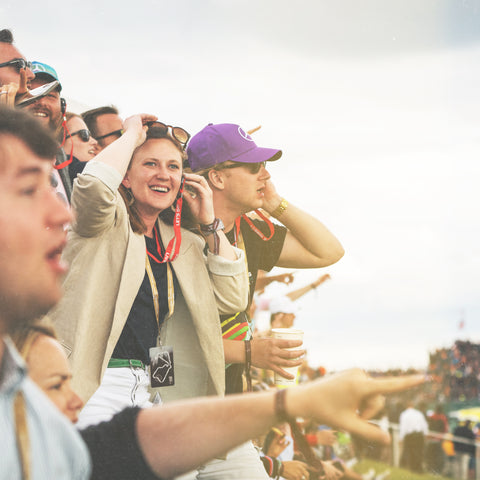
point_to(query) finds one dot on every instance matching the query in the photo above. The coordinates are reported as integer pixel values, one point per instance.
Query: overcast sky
(375, 106)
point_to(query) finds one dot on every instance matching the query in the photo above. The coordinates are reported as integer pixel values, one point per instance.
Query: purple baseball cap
(226, 142)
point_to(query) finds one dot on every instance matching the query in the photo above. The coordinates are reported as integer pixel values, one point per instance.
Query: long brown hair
(136, 222)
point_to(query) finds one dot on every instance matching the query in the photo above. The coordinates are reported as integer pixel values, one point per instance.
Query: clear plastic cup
(287, 334)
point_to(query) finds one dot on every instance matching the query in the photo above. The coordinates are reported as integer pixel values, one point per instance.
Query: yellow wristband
(277, 213)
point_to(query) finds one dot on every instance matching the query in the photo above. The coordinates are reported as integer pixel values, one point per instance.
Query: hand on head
(137, 124)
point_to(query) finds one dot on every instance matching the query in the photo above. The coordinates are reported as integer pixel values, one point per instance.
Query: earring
(130, 197)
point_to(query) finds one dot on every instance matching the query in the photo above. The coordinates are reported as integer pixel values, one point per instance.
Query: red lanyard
(69, 159)
(252, 226)
(177, 237)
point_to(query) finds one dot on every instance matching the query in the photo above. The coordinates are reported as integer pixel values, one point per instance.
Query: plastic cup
(287, 334)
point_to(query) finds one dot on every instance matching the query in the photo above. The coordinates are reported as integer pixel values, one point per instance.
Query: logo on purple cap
(245, 135)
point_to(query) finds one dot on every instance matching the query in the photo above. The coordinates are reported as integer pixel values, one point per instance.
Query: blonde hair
(25, 336)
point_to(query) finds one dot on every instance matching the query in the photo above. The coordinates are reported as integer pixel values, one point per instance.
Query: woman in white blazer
(139, 285)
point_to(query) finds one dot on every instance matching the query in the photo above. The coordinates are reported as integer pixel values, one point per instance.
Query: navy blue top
(141, 330)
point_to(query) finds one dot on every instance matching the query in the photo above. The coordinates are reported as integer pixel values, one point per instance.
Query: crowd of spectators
(161, 247)
(456, 371)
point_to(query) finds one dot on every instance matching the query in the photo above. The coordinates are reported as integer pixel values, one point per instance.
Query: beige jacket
(107, 266)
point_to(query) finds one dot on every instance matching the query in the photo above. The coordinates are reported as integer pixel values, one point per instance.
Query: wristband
(213, 228)
(280, 406)
(277, 213)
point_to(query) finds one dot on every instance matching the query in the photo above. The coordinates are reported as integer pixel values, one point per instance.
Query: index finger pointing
(394, 384)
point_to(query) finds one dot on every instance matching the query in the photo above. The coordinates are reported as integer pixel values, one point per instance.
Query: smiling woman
(139, 285)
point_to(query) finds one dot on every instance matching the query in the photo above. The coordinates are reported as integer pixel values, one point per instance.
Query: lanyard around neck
(170, 290)
(236, 231)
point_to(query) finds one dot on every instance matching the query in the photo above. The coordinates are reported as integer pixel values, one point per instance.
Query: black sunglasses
(177, 133)
(84, 135)
(252, 167)
(117, 133)
(17, 63)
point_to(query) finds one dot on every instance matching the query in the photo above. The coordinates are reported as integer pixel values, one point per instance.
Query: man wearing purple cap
(235, 168)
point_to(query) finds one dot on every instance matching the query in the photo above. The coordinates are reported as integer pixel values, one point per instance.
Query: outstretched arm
(177, 437)
(296, 294)
(309, 243)
(265, 280)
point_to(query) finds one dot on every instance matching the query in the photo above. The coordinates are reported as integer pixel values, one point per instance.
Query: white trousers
(120, 388)
(242, 462)
(128, 387)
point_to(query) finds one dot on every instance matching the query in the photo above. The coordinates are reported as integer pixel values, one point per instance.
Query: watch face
(36, 93)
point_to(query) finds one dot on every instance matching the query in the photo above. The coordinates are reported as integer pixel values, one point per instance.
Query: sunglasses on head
(252, 167)
(84, 135)
(17, 63)
(177, 133)
(117, 133)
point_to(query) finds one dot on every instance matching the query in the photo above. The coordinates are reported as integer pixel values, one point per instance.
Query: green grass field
(396, 473)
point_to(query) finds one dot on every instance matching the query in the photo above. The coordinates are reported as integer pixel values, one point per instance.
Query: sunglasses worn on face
(117, 133)
(177, 132)
(84, 135)
(17, 63)
(252, 167)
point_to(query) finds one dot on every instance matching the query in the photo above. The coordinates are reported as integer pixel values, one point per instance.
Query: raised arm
(176, 438)
(94, 191)
(296, 294)
(309, 243)
(119, 153)
(265, 280)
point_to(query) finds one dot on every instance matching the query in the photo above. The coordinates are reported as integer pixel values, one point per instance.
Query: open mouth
(156, 188)
(54, 259)
(40, 114)
(91, 152)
